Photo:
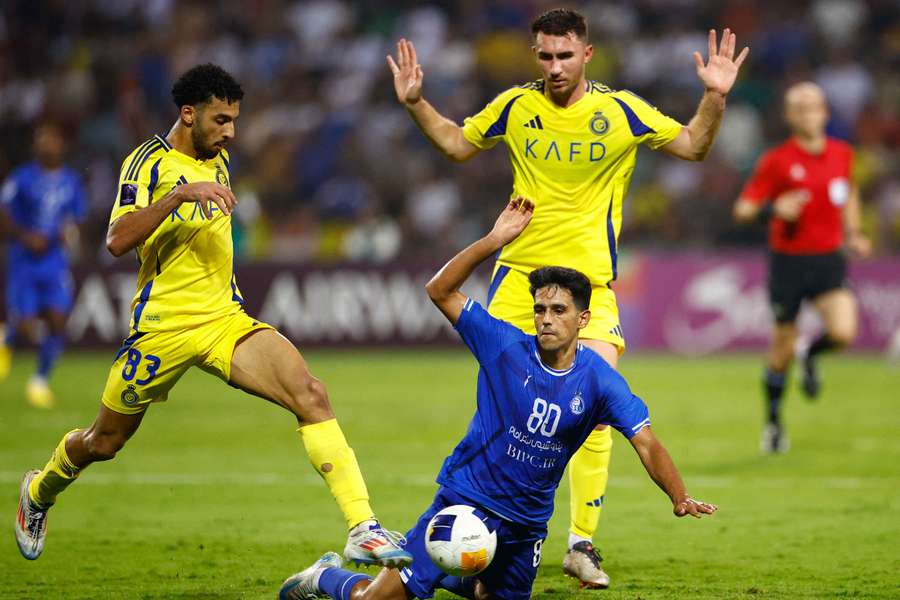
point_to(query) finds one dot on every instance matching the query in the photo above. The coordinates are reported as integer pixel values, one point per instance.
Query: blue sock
(461, 586)
(50, 349)
(338, 583)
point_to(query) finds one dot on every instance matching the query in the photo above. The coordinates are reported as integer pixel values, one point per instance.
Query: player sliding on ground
(539, 397)
(174, 208)
(572, 145)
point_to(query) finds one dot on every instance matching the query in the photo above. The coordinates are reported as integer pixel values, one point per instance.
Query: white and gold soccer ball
(459, 541)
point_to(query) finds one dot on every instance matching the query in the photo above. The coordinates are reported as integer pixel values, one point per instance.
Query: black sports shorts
(794, 278)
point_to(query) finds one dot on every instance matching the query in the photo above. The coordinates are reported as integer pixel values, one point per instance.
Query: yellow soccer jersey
(575, 163)
(186, 275)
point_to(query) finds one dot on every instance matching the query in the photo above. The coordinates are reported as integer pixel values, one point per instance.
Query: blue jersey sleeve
(485, 335)
(619, 407)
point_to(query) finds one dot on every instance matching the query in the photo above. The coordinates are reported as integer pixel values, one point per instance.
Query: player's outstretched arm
(130, 230)
(446, 135)
(443, 289)
(662, 470)
(718, 76)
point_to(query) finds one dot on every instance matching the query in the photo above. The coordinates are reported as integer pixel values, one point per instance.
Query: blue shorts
(509, 576)
(31, 291)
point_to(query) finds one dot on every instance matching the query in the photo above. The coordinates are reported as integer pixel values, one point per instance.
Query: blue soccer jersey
(530, 419)
(42, 201)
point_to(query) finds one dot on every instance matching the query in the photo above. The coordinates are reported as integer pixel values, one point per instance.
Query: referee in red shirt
(804, 187)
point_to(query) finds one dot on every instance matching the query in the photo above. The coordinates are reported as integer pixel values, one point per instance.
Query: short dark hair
(201, 83)
(560, 21)
(570, 279)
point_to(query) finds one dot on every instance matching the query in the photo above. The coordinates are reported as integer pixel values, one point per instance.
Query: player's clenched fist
(205, 192)
(407, 73)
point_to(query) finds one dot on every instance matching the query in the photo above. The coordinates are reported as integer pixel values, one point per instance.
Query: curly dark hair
(560, 21)
(199, 84)
(570, 279)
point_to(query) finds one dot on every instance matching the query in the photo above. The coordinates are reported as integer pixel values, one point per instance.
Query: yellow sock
(588, 474)
(335, 461)
(56, 476)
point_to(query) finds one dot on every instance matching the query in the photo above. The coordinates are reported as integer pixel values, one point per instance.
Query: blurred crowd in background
(327, 165)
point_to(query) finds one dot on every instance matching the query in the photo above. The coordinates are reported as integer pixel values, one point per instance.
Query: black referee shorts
(795, 278)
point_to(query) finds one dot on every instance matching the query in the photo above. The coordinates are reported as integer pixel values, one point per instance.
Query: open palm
(407, 73)
(719, 73)
(513, 220)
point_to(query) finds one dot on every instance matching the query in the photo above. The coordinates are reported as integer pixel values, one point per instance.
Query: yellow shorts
(509, 299)
(149, 364)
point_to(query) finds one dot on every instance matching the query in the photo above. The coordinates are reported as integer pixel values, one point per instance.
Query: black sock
(823, 343)
(774, 385)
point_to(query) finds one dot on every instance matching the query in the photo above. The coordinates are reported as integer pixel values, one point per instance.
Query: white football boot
(305, 584)
(370, 544)
(582, 562)
(31, 522)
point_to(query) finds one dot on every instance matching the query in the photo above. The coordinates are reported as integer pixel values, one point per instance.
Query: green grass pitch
(215, 498)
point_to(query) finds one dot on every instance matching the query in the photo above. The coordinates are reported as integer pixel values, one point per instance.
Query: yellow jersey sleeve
(647, 123)
(137, 178)
(488, 127)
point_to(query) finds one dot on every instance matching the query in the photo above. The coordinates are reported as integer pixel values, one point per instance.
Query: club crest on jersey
(599, 124)
(221, 177)
(130, 396)
(576, 405)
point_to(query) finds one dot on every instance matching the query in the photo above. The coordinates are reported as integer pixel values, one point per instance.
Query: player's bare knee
(103, 446)
(310, 400)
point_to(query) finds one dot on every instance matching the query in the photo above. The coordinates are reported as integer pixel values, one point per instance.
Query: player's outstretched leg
(266, 364)
(588, 475)
(77, 449)
(326, 579)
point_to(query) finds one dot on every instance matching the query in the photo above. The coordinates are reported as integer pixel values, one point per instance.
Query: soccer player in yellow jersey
(174, 208)
(572, 145)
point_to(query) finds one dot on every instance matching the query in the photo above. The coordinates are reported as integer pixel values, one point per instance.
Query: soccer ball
(459, 542)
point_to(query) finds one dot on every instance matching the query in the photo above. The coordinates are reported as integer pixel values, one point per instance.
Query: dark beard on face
(203, 151)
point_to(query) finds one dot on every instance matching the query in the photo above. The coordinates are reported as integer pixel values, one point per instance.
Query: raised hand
(512, 221)
(692, 507)
(719, 73)
(407, 73)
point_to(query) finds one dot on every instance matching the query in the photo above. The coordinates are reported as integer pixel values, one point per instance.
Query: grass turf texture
(215, 498)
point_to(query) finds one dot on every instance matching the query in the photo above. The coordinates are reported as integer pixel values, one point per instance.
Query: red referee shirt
(826, 176)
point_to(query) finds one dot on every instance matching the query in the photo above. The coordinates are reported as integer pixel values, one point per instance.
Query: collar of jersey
(181, 155)
(551, 370)
(564, 109)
